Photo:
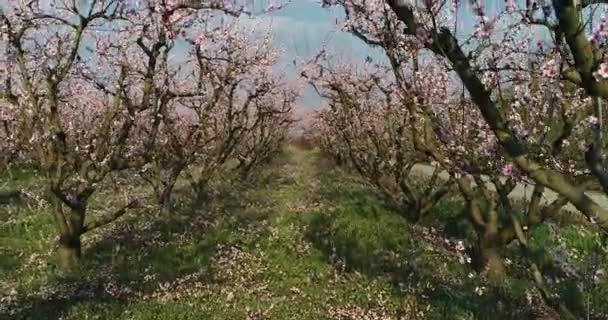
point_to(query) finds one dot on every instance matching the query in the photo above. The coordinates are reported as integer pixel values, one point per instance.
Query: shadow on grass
(361, 234)
(136, 256)
(57, 301)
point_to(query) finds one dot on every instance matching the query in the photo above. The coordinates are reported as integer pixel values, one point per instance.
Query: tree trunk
(487, 257)
(164, 198)
(70, 225)
(165, 190)
(245, 170)
(69, 252)
(493, 264)
(488, 260)
(341, 160)
(200, 193)
(413, 211)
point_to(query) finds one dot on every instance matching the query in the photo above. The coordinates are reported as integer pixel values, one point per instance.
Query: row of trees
(515, 100)
(155, 89)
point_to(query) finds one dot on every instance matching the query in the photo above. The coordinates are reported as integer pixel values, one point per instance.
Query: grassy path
(304, 241)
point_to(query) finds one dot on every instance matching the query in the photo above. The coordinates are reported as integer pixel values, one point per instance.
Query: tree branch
(446, 45)
(91, 225)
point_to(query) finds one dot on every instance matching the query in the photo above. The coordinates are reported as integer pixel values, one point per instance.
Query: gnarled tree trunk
(487, 254)
(70, 225)
(489, 259)
(69, 252)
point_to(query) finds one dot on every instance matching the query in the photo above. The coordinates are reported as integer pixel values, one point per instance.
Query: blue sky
(302, 29)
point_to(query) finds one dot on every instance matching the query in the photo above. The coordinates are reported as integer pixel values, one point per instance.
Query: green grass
(302, 241)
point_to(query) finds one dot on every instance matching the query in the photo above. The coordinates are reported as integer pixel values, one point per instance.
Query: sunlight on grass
(300, 242)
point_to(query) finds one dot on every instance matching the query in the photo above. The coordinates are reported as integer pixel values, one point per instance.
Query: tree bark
(164, 196)
(487, 257)
(446, 45)
(200, 192)
(70, 227)
(492, 263)
(69, 252)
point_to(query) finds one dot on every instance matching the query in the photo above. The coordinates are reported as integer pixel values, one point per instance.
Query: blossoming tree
(525, 101)
(92, 90)
(366, 123)
(475, 58)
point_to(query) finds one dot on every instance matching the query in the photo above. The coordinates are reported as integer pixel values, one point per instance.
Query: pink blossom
(600, 31)
(507, 170)
(550, 69)
(484, 28)
(602, 72)
(481, 32)
(175, 17)
(539, 44)
(592, 120)
(510, 5)
(171, 35)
